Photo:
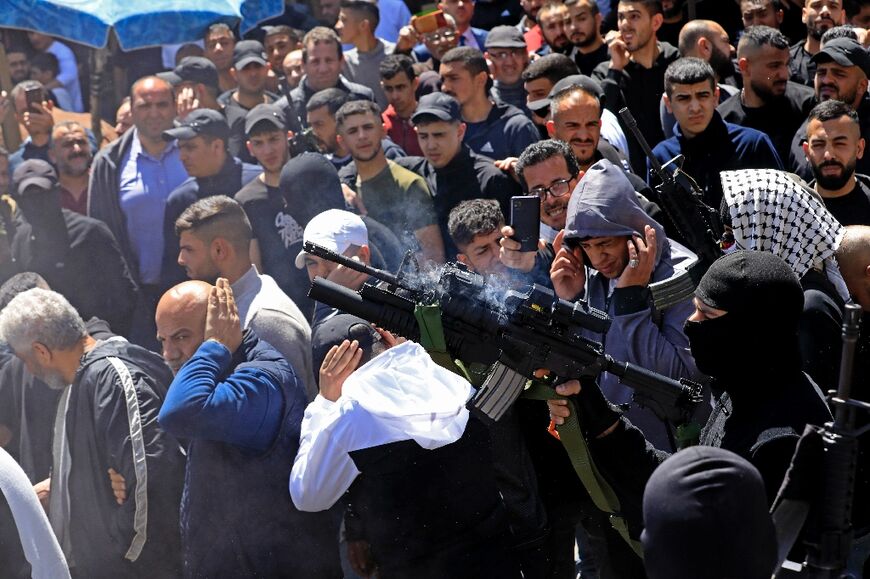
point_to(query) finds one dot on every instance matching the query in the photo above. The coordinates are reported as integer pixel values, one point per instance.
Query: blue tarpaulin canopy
(137, 23)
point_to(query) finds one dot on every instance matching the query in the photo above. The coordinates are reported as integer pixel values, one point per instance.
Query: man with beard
(106, 419)
(769, 102)
(507, 53)
(634, 76)
(18, 59)
(70, 152)
(494, 129)
(551, 19)
(819, 16)
(673, 20)
(387, 192)
(761, 13)
(834, 145)
(219, 44)
(841, 74)
(583, 27)
(74, 253)
(708, 41)
(528, 24)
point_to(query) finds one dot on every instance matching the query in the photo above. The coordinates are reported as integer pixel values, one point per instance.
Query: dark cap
(505, 37)
(34, 173)
(200, 122)
(248, 51)
(265, 113)
(197, 69)
(587, 83)
(845, 52)
(170, 77)
(439, 105)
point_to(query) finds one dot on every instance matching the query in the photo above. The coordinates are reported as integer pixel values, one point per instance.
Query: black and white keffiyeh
(775, 211)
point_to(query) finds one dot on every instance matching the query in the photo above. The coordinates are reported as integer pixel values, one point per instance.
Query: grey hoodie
(604, 204)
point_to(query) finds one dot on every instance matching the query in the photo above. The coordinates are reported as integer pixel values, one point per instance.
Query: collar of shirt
(136, 148)
(244, 290)
(470, 40)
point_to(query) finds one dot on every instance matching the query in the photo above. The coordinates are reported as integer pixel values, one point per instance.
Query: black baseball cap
(248, 51)
(505, 37)
(439, 105)
(34, 173)
(265, 113)
(197, 69)
(845, 52)
(587, 83)
(200, 122)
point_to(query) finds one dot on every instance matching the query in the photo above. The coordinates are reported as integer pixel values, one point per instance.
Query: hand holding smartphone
(526, 221)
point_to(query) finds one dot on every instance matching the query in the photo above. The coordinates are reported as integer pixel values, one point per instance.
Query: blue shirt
(145, 185)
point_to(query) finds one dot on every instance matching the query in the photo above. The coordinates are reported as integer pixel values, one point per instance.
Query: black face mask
(712, 342)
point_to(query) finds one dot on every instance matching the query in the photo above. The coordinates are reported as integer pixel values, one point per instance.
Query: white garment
(37, 541)
(68, 74)
(613, 134)
(399, 395)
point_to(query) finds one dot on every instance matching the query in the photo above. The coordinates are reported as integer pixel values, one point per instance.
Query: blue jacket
(720, 147)
(241, 414)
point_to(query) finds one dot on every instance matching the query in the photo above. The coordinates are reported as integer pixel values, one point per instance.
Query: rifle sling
(596, 485)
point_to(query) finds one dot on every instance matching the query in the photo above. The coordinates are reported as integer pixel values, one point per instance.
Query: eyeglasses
(440, 36)
(556, 189)
(505, 54)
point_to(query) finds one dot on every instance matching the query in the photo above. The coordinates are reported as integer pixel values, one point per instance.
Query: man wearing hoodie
(608, 253)
(493, 129)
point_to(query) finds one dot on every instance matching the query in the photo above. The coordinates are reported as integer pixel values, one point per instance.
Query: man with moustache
(106, 419)
(634, 76)
(761, 13)
(551, 19)
(841, 74)
(70, 152)
(833, 147)
(769, 102)
(507, 53)
(819, 17)
(583, 27)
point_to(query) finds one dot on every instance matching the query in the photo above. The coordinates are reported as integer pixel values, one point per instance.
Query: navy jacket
(241, 414)
(228, 181)
(720, 147)
(506, 132)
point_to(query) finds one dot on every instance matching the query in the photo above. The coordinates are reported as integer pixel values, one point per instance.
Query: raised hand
(222, 322)
(567, 272)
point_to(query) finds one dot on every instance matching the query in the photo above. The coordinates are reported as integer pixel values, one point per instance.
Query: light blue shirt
(394, 15)
(145, 185)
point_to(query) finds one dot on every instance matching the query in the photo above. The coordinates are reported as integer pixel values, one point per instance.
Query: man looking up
(219, 44)
(106, 420)
(250, 69)
(70, 152)
(709, 144)
(494, 129)
(634, 76)
(841, 74)
(399, 82)
(130, 182)
(202, 139)
(833, 146)
(322, 61)
(583, 28)
(215, 240)
(356, 25)
(453, 171)
(819, 17)
(390, 194)
(239, 406)
(769, 102)
(506, 50)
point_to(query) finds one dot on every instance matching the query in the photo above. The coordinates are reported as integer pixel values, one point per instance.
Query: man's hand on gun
(596, 414)
(567, 272)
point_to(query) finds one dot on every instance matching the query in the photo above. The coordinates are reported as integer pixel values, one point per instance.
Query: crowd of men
(180, 406)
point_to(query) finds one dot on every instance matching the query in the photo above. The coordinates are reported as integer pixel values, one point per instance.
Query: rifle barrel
(324, 253)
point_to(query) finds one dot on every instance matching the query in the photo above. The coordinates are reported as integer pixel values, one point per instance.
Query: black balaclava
(705, 515)
(764, 301)
(310, 185)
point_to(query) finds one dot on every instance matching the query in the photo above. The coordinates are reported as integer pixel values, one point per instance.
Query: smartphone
(428, 22)
(33, 96)
(526, 221)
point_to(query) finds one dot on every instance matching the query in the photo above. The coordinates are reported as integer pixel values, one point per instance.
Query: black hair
(471, 58)
(844, 31)
(541, 151)
(474, 217)
(356, 107)
(333, 98)
(591, 4)
(319, 35)
(653, 7)
(45, 61)
(396, 63)
(758, 36)
(18, 283)
(554, 67)
(367, 8)
(832, 109)
(853, 7)
(688, 70)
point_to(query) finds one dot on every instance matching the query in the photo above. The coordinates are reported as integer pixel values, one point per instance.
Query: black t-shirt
(853, 208)
(587, 62)
(235, 113)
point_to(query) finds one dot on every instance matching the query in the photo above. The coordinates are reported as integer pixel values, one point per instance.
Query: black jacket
(506, 132)
(294, 103)
(107, 421)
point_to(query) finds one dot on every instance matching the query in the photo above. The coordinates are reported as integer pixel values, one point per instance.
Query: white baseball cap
(335, 230)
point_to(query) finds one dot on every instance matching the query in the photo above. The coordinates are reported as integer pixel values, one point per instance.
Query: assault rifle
(513, 333)
(683, 202)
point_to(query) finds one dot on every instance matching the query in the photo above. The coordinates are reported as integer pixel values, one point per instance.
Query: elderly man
(106, 420)
(239, 406)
